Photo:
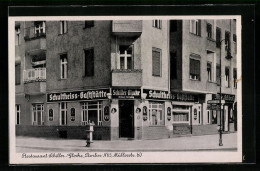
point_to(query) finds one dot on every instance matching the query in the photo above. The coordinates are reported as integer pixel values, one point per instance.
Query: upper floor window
(227, 40)
(89, 23)
(63, 66)
(63, 27)
(218, 37)
(173, 61)
(156, 62)
(209, 71)
(195, 27)
(17, 115)
(39, 28)
(218, 74)
(17, 74)
(227, 79)
(17, 35)
(89, 62)
(126, 57)
(235, 42)
(157, 24)
(173, 26)
(194, 69)
(209, 30)
(235, 77)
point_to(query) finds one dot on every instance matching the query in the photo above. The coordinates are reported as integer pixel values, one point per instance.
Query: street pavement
(186, 143)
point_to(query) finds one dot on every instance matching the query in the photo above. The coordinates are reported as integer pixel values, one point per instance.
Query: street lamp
(220, 94)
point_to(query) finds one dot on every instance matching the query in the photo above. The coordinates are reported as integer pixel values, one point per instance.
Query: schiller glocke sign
(175, 96)
(78, 95)
(126, 93)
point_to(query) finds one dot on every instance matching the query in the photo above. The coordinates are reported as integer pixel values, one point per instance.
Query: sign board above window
(174, 96)
(78, 95)
(126, 93)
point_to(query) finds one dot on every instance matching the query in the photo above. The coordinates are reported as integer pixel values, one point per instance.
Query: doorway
(126, 118)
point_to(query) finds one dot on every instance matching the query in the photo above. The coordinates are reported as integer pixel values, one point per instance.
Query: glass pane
(92, 116)
(122, 63)
(129, 63)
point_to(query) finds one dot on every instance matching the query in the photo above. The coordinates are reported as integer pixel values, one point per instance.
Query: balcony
(35, 81)
(127, 27)
(127, 78)
(35, 40)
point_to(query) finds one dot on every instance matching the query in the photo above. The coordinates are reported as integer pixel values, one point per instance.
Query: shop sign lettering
(229, 98)
(78, 95)
(174, 96)
(126, 93)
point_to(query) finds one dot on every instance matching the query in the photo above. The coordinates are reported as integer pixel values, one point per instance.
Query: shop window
(235, 77)
(180, 116)
(156, 62)
(89, 62)
(173, 56)
(92, 112)
(63, 27)
(72, 114)
(195, 27)
(89, 23)
(157, 24)
(50, 114)
(156, 113)
(39, 28)
(227, 79)
(17, 74)
(231, 116)
(38, 114)
(17, 35)
(173, 26)
(214, 118)
(126, 56)
(209, 71)
(194, 69)
(63, 113)
(209, 30)
(17, 114)
(63, 66)
(218, 37)
(208, 112)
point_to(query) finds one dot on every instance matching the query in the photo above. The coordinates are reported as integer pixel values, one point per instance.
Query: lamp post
(220, 93)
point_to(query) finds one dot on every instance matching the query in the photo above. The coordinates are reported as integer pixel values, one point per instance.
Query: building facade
(128, 77)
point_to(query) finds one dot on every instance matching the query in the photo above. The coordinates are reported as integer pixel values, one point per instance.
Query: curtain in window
(194, 67)
(156, 63)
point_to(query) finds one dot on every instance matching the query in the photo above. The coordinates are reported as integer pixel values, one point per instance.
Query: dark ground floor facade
(122, 113)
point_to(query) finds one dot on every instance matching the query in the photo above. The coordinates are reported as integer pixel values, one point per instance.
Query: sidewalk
(190, 143)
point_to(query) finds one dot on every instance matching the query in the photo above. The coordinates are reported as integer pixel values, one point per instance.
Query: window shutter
(156, 63)
(17, 74)
(89, 62)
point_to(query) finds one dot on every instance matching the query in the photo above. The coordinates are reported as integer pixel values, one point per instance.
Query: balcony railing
(33, 33)
(31, 75)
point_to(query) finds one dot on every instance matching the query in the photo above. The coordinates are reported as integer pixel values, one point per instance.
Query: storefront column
(114, 114)
(138, 119)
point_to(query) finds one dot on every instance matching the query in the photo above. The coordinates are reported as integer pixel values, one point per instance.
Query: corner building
(117, 74)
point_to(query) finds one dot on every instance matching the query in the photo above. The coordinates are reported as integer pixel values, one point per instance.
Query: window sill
(157, 76)
(194, 79)
(211, 39)
(156, 125)
(195, 34)
(127, 70)
(62, 34)
(214, 82)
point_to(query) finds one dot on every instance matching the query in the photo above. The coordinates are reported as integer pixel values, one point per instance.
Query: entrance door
(126, 118)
